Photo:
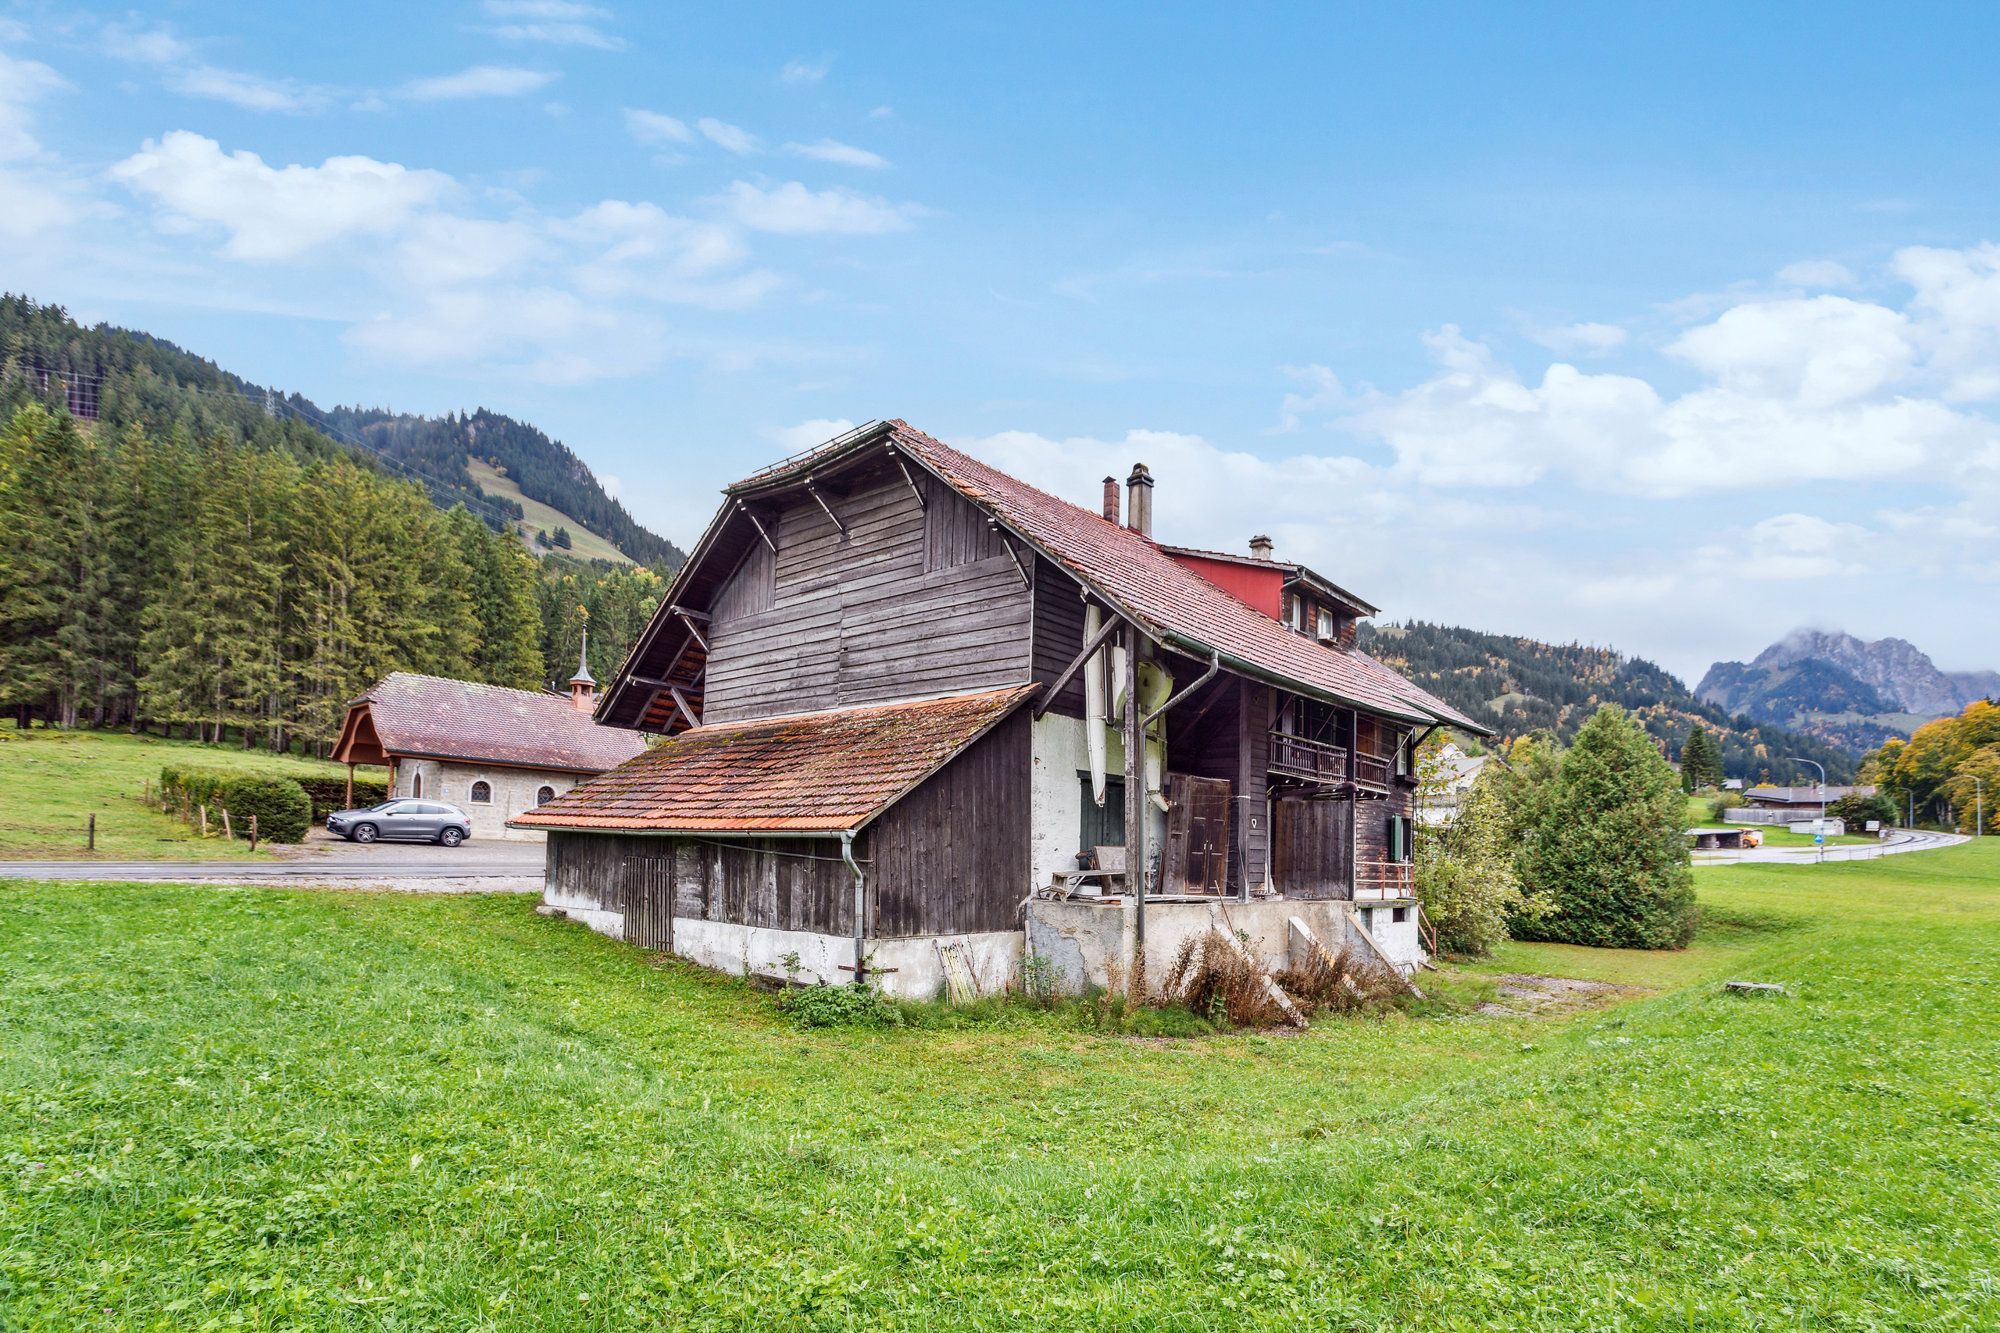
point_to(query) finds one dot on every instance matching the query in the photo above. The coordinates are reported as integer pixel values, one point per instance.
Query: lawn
(292, 1109)
(51, 782)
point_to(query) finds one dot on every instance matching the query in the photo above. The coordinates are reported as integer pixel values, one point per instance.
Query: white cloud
(832, 150)
(641, 250)
(1957, 310)
(1323, 393)
(539, 333)
(1816, 273)
(184, 71)
(551, 23)
(1586, 339)
(793, 210)
(1820, 350)
(810, 434)
(653, 129)
(1791, 547)
(803, 72)
(22, 84)
(727, 136)
(478, 81)
(275, 213)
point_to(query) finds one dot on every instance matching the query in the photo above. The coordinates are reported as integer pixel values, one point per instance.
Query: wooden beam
(904, 468)
(1109, 627)
(688, 618)
(1214, 665)
(813, 491)
(680, 702)
(1012, 554)
(762, 531)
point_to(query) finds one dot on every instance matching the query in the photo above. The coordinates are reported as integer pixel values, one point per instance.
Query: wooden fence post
(93, 830)
(253, 833)
(203, 807)
(227, 831)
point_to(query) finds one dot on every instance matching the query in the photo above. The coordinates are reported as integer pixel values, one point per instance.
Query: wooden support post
(350, 786)
(227, 831)
(253, 833)
(1135, 811)
(93, 830)
(203, 808)
(1055, 687)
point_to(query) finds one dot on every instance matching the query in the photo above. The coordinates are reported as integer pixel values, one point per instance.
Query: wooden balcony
(1322, 762)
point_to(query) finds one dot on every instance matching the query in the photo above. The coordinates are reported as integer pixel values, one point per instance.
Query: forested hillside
(1522, 686)
(179, 556)
(119, 375)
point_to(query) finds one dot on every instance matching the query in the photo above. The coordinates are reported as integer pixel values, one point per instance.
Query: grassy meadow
(51, 782)
(295, 1109)
(538, 517)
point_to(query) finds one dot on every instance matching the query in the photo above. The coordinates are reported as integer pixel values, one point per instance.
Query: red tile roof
(828, 772)
(1171, 601)
(437, 718)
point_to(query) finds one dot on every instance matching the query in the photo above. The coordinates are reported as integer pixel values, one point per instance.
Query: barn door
(1197, 851)
(649, 899)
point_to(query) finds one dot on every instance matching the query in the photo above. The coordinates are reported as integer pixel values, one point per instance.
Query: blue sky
(1665, 330)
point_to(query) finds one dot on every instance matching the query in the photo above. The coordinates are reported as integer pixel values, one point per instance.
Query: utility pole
(1819, 833)
(1979, 807)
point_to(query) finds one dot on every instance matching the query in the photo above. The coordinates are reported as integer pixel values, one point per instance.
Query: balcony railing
(1322, 761)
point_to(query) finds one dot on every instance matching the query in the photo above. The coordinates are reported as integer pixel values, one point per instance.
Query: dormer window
(1323, 625)
(1295, 613)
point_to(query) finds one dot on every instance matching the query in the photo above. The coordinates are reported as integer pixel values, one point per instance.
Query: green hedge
(330, 794)
(283, 810)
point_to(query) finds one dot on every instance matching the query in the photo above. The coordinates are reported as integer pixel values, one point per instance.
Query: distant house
(494, 752)
(1456, 772)
(1795, 799)
(920, 716)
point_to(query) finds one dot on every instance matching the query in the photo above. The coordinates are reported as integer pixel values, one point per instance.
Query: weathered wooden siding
(779, 884)
(1058, 634)
(953, 856)
(866, 618)
(750, 588)
(1309, 848)
(1373, 868)
(1253, 741)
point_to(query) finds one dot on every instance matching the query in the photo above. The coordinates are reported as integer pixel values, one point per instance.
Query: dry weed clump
(1217, 980)
(1340, 983)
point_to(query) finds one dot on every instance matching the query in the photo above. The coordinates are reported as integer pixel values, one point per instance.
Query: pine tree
(1701, 761)
(1607, 846)
(53, 571)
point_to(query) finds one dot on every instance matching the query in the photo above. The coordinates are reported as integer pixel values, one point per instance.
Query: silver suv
(402, 821)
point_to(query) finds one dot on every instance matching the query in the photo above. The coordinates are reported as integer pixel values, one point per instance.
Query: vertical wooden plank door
(1197, 850)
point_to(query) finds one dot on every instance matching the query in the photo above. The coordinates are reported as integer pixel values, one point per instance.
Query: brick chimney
(1139, 500)
(1111, 498)
(1261, 547)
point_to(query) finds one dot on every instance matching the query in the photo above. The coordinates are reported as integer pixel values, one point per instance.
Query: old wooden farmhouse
(493, 752)
(919, 711)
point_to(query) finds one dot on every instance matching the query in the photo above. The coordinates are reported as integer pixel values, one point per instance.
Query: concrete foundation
(1091, 943)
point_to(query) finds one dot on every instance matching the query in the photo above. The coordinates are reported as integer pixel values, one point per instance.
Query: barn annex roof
(1141, 579)
(431, 717)
(827, 772)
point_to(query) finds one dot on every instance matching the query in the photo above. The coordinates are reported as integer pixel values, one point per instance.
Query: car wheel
(363, 833)
(451, 837)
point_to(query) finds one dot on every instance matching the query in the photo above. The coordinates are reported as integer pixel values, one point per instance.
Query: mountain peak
(1903, 675)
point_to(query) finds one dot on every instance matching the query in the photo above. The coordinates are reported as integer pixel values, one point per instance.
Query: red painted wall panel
(1261, 588)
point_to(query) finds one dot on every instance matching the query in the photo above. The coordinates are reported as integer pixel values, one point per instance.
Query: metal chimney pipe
(1139, 500)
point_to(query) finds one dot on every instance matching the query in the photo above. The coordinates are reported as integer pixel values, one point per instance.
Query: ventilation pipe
(1139, 500)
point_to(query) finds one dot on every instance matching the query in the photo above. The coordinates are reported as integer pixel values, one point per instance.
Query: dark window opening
(1399, 914)
(1102, 826)
(545, 795)
(482, 793)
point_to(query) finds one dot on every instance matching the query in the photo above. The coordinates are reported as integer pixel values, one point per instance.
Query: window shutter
(1395, 839)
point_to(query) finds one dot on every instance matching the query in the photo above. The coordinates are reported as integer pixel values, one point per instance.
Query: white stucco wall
(1060, 753)
(514, 792)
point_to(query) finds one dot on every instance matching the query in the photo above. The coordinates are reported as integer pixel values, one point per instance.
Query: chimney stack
(1261, 547)
(1139, 500)
(1111, 498)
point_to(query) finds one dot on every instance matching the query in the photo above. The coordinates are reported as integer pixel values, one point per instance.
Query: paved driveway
(479, 866)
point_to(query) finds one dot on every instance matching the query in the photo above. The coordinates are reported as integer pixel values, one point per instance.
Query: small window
(545, 795)
(417, 785)
(1325, 623)
(1399, 914)
(482, 793)
(1101, 826)
(1295, 612)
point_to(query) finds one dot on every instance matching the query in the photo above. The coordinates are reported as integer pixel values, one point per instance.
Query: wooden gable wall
(914, 600)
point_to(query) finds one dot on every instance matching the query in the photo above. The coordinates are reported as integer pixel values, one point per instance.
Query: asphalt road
(1898, 842)
(492, 866)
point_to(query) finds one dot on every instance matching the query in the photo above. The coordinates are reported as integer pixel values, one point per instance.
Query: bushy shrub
(1607, 848)
(1729, 800)
(330, 794)
(850, 1006)
(282, 808)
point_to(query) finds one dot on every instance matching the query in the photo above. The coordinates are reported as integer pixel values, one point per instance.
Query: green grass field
(538, 517)
(271, 1109)
(51, 782)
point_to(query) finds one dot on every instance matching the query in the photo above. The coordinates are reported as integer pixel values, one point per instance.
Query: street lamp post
(1979, 808)
(1819, 836)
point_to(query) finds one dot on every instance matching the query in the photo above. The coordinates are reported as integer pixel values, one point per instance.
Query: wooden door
(1309, 848)
(1197, 851)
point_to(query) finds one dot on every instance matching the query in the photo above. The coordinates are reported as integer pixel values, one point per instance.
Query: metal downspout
(860, 908)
